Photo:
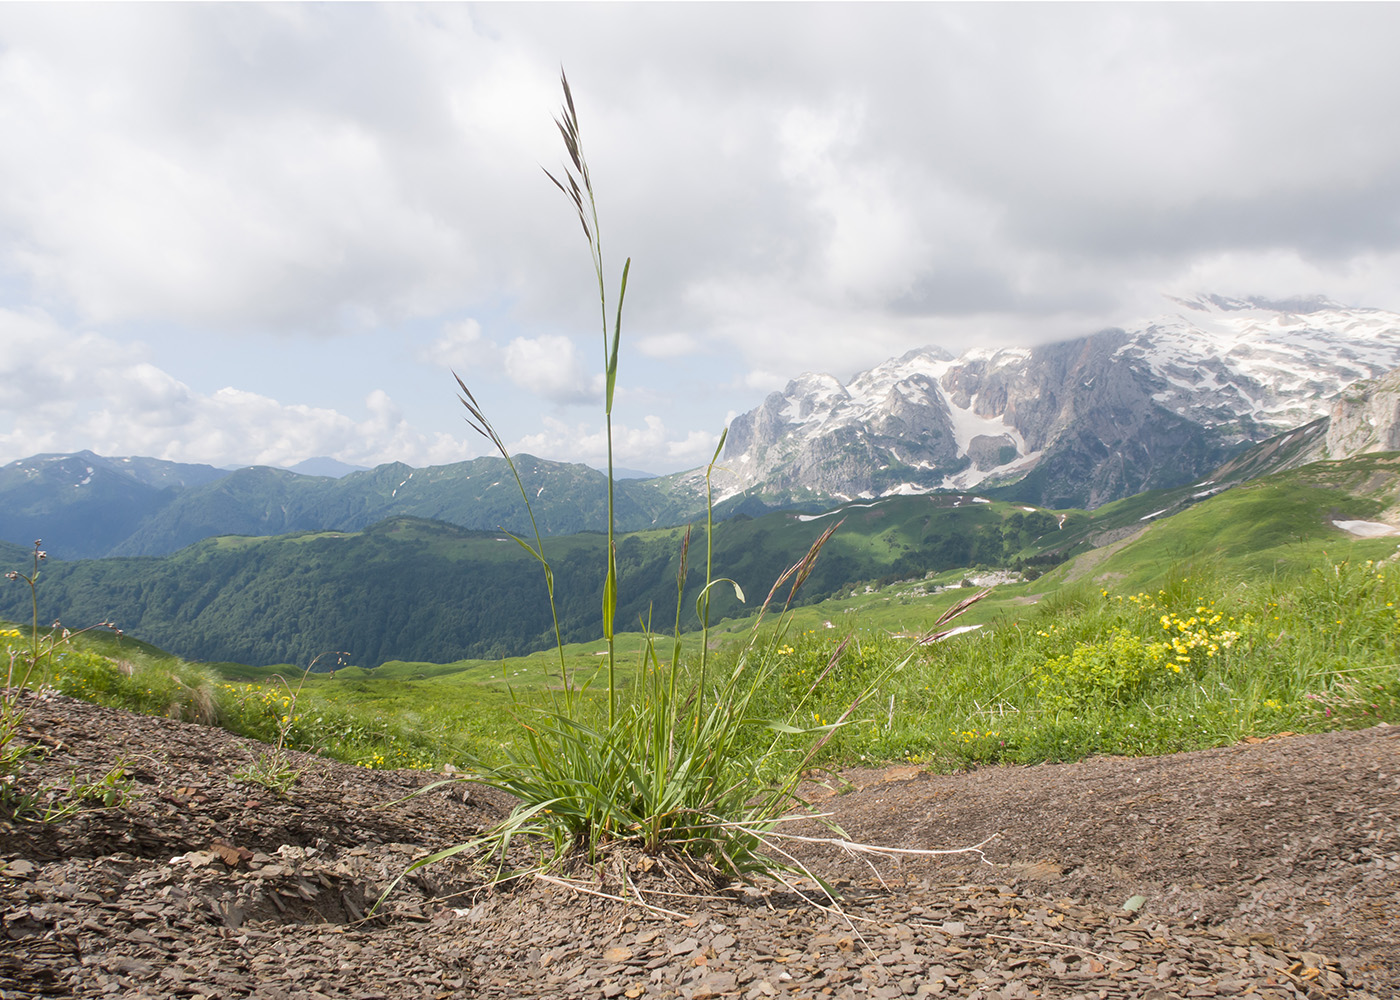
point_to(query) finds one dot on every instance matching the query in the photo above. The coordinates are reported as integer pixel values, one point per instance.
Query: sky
(260, 233)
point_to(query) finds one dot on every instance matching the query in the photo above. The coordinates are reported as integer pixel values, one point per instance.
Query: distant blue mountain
(323, 466)
(85, 506)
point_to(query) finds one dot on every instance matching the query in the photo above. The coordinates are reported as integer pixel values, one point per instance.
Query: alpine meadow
(674, 705)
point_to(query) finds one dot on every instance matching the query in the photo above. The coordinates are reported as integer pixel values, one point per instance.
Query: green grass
(1317, 651)
(1079, 677)
(346, 722)
(1311, 642)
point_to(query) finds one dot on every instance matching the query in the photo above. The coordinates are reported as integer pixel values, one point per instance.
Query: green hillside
(417, 590)
(1260, 529)
(1274, 617)
(85, 504)
(479, 495)
(1247, 613)
(426, 591)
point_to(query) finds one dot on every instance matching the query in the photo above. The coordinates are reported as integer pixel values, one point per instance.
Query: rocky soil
(1266, 870)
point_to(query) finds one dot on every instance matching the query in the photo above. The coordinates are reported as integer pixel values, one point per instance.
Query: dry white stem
(760, 826)
(834, 908)
(876, 872)
(700, 897)
(850, 846)
(607, 895)
(1045, 944)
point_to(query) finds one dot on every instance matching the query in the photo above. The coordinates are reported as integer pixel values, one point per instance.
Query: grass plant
(274, 769)
(657, 770)
(678, 767)
(27, 657)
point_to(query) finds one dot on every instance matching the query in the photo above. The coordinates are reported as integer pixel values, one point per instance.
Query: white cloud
(766, 381)
(83, 391)
(643, 447)
(695, 449)
(667, 345)
(239, 168)
(1282, 273)
(463, 348)
(800, 188)
(872, 244)
(549, 367)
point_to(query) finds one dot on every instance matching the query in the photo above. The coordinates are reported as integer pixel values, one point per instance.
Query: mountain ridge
(1079, 422)
(1076, 423)
(88, 506)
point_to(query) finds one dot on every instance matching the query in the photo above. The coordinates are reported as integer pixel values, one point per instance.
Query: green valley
(1248, 613)
(412, 589)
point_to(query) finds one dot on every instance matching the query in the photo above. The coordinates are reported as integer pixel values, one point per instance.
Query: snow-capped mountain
(1078, 423)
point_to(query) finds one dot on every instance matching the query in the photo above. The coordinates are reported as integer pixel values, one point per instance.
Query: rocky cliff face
(1365, 418)
(1077, 423)
(820, 435)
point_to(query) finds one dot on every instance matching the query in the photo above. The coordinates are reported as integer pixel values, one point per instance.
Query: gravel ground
(1267, 870)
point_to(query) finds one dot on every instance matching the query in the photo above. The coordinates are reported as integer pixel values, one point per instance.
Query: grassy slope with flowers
(1244, 616)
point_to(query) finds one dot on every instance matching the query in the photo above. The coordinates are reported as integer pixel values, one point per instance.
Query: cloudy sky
(261, 233)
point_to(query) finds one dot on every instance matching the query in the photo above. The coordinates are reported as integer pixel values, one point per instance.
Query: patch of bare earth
(1268, 870)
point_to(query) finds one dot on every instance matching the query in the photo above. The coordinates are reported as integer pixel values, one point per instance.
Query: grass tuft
(677, 765)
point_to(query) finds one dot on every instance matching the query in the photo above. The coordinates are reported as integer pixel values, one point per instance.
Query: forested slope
(413, 589)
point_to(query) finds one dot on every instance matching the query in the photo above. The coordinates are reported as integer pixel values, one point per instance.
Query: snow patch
(840, 510)
(1279, 367)
(1367, 529)
(970, 477)
(1145, 517)
(906, 490)
(968, 424)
